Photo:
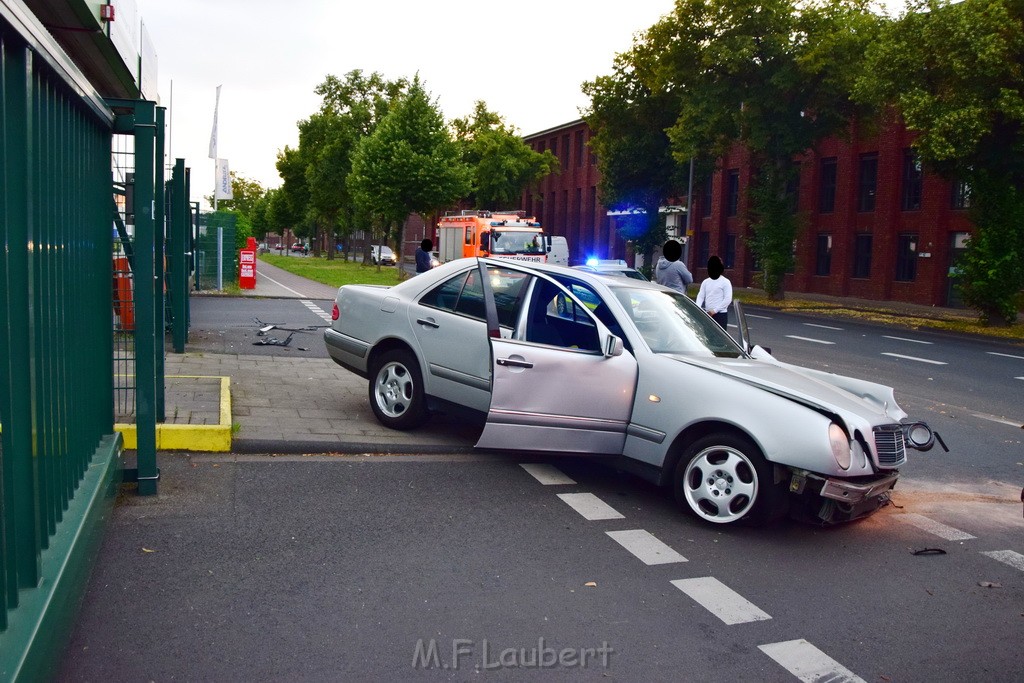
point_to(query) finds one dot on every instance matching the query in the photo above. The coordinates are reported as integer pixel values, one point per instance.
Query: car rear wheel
(396, 391)
(724, 479)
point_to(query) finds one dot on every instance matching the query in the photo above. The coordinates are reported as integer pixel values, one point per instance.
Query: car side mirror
(612, 346)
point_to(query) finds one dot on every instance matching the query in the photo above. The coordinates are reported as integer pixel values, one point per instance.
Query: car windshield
(671, 323)
(516, 242)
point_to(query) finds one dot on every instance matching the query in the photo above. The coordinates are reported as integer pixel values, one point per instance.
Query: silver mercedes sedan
(561, 360)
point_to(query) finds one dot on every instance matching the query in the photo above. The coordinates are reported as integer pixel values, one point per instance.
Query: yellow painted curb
(205, 438)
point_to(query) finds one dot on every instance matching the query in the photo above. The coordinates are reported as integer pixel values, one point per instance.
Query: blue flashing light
(593, 261)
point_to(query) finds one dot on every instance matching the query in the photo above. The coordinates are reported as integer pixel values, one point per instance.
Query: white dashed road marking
(824, 327)
(1015, 560)
(1004, 355)
(913, 341)
(1000, 420)
(549, 475)
(590, 506)
(808, 663)
(937, 528)
(919, 360)
(759, 317)
(720, 600)
(646, 547)
(1018, 377)
(316, 309)
(808, 339)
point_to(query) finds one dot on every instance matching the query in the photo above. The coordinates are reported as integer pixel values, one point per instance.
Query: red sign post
(247, 266)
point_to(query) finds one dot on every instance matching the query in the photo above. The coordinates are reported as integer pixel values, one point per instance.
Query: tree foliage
(953, 71)
(409, 164)
(629, 117)
(774, 76)
(502, 164)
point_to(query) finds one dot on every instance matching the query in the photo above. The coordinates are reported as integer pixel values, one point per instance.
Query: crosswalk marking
(720, 600)
(1015, 560)
(549, 475)
(590, 506)
(937, 528)
(646, 547)
(316, 309)
(808, 663)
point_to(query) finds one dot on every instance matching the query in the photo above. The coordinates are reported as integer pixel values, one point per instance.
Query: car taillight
(335, 313)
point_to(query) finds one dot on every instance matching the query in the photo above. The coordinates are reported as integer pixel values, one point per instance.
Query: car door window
(556, 319)
(508, 287)
(446, 295)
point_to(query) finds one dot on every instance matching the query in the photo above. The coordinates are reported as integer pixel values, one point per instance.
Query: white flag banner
(213, 134)
(223, 190)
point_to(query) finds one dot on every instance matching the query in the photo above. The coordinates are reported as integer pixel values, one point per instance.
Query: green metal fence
(216, 255)
(60, 456)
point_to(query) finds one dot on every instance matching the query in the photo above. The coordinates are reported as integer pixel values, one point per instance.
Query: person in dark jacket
(423, 263)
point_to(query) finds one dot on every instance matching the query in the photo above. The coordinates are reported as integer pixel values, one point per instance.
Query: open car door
(562, 381)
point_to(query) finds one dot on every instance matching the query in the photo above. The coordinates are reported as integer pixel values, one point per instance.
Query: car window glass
(471, 299)
(597, 306)
(671, 323)
(556, 320)
(508, 287)
(445, 295)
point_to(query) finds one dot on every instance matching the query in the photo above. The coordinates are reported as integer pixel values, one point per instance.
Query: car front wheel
(723, 478)
(396, 391)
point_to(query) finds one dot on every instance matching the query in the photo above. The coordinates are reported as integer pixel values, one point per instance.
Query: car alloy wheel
(723, 478)
(396, 391)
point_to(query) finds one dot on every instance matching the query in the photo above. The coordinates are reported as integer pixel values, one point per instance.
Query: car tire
(396, 391)
(724, 479)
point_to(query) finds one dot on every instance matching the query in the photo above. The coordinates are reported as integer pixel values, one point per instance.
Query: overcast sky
(525, 58)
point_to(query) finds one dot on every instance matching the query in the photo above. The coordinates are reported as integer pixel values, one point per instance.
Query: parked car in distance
(300, 247)
(382, 255)
(613, 267)
(564, 360)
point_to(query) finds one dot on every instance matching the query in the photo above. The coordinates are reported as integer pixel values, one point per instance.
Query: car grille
(890, 449)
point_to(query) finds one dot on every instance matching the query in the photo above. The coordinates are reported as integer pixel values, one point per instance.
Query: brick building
(875, 225)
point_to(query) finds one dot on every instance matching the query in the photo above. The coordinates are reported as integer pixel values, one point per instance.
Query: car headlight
(919, 436)
(840, 444)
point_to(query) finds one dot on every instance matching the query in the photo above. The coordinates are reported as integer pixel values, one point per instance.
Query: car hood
(850, 398)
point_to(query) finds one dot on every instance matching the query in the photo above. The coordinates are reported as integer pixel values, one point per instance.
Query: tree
(409, 164)
(953, 71)
(774, 76)
(629, 119)
(503, 165)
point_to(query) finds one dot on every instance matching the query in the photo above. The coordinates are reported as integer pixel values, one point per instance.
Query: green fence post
(159, 252)
(180, 239)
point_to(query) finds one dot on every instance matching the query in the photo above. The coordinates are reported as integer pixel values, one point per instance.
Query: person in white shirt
(715, 293)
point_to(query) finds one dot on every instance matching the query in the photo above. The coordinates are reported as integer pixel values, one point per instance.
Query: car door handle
(428, 322)
(512, 362)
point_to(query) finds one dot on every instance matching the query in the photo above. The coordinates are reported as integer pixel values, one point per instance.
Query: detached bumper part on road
(839, 500)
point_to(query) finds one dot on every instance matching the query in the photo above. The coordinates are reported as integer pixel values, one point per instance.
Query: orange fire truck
(501, 234)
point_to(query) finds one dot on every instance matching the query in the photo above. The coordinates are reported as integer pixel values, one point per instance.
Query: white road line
(759, 317)
(1018, 377)
(937, 528)
(824, 327)
(646, 547)
(298, 294)
(808, 663)
(590, 506)
(720, 600)
(1004, 355)
(316, 309)
(913, 341)
(816, 341)
(549, 475)
(1000, 420)
(919, 360)
(1015, 560)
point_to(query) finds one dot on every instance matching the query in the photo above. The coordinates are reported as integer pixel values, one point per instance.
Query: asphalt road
(457, 567)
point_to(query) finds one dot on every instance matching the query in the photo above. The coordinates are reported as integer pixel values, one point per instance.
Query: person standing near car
(715, 295)
(423, 263)
(670, 271)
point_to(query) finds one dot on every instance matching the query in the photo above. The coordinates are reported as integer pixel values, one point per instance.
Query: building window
(793, 189)
(867, 182)
(565, 151)
(732, 203)
(703, 248)
(823, 262)
(961, 196)
(906, 258)
(827, 186)
(912, 180)
(862, 256)
(705, 198)
(730, 251)
(580, 149)
(554, 147)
